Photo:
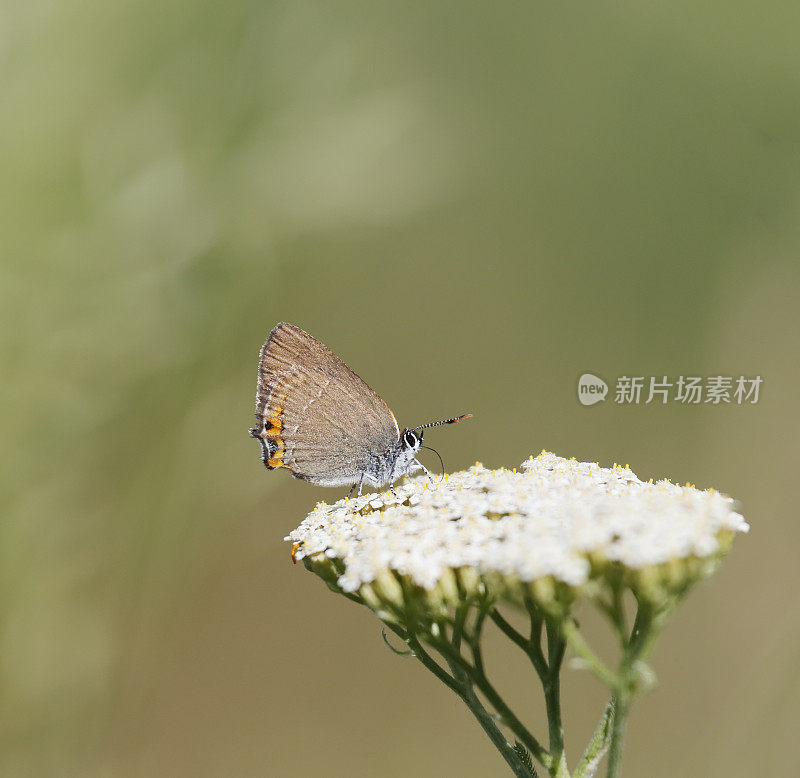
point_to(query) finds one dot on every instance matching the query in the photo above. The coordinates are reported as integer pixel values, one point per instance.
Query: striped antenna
(444, 421)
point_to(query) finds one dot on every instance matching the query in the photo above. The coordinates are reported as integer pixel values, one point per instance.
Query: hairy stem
(598, 745)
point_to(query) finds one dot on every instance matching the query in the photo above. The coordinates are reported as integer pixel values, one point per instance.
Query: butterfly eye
(410, 439)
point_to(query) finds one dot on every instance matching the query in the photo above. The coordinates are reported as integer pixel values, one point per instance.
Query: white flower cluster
(552, 518)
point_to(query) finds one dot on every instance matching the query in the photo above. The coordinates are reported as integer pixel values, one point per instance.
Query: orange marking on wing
(295, 547)
(274, 431)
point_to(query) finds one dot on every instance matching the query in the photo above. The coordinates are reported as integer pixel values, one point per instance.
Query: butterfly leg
(360, 484)
(425, 470)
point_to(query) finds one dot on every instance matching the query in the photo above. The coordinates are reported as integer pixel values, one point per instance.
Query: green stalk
(621, 708)
(460, 684)
(556, 646)
(646, 627)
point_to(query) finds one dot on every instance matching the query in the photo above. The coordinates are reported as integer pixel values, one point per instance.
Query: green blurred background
(472, 204)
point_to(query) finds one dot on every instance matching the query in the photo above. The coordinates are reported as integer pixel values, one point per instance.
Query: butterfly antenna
(444, 421)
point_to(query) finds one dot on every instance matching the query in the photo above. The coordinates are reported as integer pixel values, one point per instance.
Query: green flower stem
(495, 735)
(549, 672)
(508, 629)
(622, 704)
(535, 639)
(576, 642)
(529, 646)
(646, 627)
(466, 676)
(625, 682)
(474, 671)
(614, 611)
(435, 634)
(598, 745)
(461, 684)
(556, 647)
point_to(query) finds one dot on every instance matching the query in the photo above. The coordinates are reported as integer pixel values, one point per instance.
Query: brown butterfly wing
(319, 419)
